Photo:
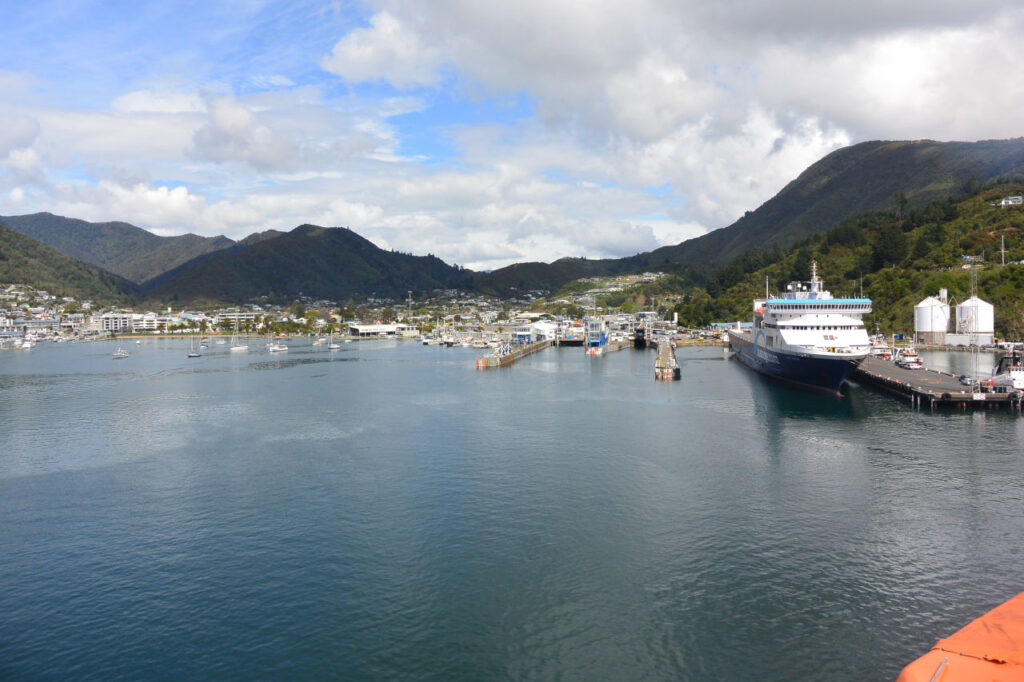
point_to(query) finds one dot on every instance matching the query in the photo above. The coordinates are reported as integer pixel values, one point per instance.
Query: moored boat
(1009, 371)
(879, 348)
(805, 337)
(908, 358)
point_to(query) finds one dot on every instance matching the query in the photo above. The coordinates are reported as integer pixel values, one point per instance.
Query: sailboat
(331, 345)
(192, 352)
(273, 346)
(120, 353)
(237, 347)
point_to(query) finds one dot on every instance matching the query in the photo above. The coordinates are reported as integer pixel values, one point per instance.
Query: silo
(976, 318)
(931, 321)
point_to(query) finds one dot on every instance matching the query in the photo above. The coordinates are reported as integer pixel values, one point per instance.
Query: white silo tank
(931, 321)
(975, 316)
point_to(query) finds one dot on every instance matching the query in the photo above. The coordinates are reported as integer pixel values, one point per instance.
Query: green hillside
(330, 263)
(117, 247)
(25, 261)
(896, 260)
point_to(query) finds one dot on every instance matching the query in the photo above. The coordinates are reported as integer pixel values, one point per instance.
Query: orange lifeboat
(988, 648)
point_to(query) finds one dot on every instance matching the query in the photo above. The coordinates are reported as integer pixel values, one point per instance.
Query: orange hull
(989, 648)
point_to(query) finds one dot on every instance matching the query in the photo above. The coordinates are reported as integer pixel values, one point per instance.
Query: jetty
(931, 388)
(666, 368)
(505, 357)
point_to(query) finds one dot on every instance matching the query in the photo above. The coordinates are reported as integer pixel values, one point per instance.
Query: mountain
(331, 263)
(858, 179)
(895, 260)
(864, 177)
(120, 248)
(25, 261)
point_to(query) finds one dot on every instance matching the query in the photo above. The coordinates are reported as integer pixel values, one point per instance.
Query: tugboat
(805, 337)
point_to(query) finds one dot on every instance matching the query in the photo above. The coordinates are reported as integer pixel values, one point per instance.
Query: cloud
(17, 132)
(385, 50)
(158, 102)
(564, 128)
(233, 133)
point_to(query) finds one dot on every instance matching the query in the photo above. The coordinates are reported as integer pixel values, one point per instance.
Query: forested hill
(895, 258)
(329, 263)
(120, 248)
(23, 260)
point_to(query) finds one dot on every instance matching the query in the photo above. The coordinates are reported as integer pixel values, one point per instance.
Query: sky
(483, 133)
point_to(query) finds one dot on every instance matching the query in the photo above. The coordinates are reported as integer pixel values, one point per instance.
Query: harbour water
(388, 512)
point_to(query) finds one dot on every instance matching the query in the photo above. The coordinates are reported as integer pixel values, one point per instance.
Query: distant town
(28, 315)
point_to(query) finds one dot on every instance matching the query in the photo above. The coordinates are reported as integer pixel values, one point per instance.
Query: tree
(890, 247)
(899, 200)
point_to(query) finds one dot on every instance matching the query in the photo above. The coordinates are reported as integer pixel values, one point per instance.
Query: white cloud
(158, 102)
(17, 132)
(232, 133)
(385, 50)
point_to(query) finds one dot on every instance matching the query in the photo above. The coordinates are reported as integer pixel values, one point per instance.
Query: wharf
(505, 359)
(665, 367)
(930, 387)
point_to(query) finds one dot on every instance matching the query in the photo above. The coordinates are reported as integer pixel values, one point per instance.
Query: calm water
(388, 512)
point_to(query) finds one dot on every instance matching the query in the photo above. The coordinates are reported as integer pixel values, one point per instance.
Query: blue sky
(484, 133)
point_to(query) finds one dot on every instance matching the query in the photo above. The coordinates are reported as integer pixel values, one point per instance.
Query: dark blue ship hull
(821, 374)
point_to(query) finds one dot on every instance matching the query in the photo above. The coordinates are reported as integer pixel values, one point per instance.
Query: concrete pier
(928, 387)
(665, 367)
(506, 359)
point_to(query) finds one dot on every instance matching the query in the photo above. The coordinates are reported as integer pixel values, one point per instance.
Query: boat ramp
(931, 388)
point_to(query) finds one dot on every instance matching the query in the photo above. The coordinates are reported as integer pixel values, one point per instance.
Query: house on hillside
(1012, 201)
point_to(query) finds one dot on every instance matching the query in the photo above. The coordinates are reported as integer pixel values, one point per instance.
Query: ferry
(805, 337)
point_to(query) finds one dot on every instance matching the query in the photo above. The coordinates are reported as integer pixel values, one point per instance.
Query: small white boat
(907, 358)
(120, 353)
(277, 348)
(879, 348)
